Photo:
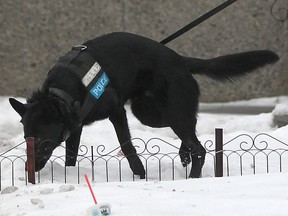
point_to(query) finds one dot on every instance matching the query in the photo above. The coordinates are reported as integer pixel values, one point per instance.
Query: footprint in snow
(9, 189)
(46, 191)
(65, 188)
(37, 202)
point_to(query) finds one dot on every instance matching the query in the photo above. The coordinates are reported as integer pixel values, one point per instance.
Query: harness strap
(86, 68)
(75, 60)
(67, 98)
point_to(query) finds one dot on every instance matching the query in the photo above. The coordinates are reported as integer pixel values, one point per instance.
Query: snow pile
(280, 114)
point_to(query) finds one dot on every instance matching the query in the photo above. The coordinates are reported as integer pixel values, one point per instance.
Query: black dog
(94, 80)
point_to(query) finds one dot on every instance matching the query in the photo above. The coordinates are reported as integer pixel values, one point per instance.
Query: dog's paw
(137, 166)
(139, 172)
(185, 159)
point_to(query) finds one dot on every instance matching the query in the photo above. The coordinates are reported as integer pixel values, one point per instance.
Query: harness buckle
(79, 47)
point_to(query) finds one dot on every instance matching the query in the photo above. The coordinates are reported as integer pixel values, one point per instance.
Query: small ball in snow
(65, 188)
(8, 190)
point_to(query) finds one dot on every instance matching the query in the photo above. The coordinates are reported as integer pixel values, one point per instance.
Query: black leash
(197, 21)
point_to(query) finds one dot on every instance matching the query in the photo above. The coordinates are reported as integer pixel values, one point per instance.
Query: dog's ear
(17, 106)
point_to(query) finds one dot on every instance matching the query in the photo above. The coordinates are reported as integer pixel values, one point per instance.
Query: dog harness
(89, 72)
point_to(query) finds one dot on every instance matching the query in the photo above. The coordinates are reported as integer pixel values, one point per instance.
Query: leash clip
(79, 47)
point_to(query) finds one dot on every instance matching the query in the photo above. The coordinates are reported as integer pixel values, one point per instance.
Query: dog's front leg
(119, 121)
(72, 145)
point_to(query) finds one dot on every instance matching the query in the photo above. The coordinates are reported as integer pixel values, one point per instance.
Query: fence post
(92, 164)
(30, 159)
(219, 152)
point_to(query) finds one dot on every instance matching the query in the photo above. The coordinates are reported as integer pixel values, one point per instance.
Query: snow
(261, 194)
(246, 195)
(281, 109)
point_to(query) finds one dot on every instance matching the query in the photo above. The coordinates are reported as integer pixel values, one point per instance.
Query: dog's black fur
(156, 80)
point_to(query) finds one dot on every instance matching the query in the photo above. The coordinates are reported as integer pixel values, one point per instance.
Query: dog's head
(44, 118)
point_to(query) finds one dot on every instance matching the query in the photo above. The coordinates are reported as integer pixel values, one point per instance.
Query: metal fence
(240, 155)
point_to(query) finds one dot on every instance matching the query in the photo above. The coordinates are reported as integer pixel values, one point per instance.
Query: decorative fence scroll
(240, 155)
(246, 154)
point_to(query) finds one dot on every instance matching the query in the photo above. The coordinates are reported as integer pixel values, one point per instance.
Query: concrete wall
(35, 33)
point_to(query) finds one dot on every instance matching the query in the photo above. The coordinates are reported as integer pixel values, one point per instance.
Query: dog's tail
(229, 67)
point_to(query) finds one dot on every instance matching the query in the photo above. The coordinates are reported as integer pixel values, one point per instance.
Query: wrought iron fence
(246, 154)
(240, 155)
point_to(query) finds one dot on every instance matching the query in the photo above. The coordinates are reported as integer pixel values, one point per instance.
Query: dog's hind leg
(191, 147)
(181, 115)
(184, 154)
(119, 121)
(198, 153)
(198, 159)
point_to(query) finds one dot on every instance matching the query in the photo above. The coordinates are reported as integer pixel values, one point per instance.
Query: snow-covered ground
(261, 194)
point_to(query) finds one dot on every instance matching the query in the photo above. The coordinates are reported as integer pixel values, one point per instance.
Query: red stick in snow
(90, 188)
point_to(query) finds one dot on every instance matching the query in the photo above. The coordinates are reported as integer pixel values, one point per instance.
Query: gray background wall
(35, 33)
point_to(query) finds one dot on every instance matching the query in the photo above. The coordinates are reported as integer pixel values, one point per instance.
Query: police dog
(155, 79)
